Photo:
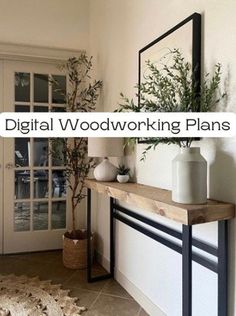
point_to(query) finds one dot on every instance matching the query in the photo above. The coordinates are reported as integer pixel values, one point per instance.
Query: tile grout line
(69, 278)
(93, 303)
(99, 294)
(119, 296)
(82, 288)
(95, 300)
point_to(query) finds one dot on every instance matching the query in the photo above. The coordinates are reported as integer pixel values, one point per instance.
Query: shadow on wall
(98, 244)
(130, 161)
(222, 175)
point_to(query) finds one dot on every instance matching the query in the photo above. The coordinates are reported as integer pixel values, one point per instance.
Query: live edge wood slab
(159, 202)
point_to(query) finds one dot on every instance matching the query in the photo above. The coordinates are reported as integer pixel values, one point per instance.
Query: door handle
(9, 165)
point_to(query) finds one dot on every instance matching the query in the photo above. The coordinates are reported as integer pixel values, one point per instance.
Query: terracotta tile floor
(104, 298)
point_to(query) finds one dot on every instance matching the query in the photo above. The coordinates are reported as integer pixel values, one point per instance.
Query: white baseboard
(132, 289)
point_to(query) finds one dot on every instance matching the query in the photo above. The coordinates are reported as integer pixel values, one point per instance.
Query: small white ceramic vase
(123, 178)
(189, 177)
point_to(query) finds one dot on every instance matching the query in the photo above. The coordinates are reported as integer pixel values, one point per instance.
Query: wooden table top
(159, 202)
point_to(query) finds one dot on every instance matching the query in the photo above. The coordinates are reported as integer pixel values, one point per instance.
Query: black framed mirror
(185, 36)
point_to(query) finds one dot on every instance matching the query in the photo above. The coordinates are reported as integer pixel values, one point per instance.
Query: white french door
(34, 194)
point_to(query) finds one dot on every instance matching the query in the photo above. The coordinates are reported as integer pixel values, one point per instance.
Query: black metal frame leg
(187, 271)
(223, 268)
(91, 279)
(112, 239)
(89, 261)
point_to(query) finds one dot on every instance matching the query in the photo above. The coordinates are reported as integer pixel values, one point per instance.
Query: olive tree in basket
(82, 97)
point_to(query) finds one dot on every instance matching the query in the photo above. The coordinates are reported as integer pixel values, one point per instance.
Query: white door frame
(9, 51)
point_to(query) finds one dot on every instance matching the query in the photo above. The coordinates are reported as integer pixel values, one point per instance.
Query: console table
(158, 201)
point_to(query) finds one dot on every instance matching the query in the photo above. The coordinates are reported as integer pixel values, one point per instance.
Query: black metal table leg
(112, 245)
(187, 271)
(223, 268)
(89, 261)
(89, 234)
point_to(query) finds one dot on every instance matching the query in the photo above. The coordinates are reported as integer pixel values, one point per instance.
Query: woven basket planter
(75, 252)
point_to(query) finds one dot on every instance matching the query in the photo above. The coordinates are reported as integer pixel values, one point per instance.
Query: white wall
(53, 23)
(118, 29)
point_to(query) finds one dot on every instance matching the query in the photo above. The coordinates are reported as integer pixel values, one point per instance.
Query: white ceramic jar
(105, 171)
(189, 177)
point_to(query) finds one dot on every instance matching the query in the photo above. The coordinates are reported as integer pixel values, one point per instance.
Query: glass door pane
(22, 86)
(40, 219)
(22, 152)
(22, 216)
(41, 85)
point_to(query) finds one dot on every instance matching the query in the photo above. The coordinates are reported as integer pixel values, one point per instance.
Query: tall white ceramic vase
(189, 177)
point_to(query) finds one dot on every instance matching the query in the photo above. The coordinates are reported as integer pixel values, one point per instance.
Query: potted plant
(172, 87)
(123, 174)
(82, 97)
